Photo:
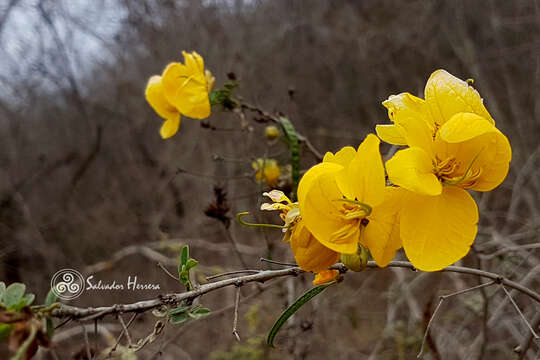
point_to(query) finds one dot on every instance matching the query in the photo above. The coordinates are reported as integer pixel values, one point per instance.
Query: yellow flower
(309, 253)
(181, 89)
(344, 201)
(267, 170)
(453, 145)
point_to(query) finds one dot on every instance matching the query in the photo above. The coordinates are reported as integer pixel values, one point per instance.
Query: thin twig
(86, 343)
(235, 321)
(234, 245)
(124, 327)
(166, 271)
(277, 262)
(302, 138)
(95, 334)
(441, 300)
(519, 312)
(232, 273)
(509, 249)
(522, 348)
(124, 330)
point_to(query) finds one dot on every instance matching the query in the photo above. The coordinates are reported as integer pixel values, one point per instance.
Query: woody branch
(85, 314)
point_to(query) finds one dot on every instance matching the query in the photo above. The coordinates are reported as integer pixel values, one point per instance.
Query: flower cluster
(452, 145)
(182, 89)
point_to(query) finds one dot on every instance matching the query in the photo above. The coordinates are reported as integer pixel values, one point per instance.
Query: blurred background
(87, 183)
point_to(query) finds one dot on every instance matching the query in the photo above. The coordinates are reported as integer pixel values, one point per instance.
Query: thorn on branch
(236, 305)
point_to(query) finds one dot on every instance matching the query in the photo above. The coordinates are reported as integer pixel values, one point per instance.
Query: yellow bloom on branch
(182, 89)
(453, 146)
(308, 252)
(344, 201)
(267, 170)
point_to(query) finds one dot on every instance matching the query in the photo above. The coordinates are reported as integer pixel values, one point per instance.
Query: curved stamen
(365, 207)
(239, 217)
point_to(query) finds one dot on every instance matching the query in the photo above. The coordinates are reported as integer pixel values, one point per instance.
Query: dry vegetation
(84, 174)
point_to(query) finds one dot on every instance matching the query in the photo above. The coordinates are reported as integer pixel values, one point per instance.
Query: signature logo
(67, 284)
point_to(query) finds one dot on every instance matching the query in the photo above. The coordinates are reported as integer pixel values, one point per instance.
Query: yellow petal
(343, 157)
(391, 134)
(446, 95)
(312, 174)
(309, 253)
(277, 196)
(381, 234)
(437, 231)
(318, 192)
(155, 97)
(325, 276)
(465, 126)
(187, 89)
(407, 106)
(170, 127)
(193, 61)
(364, 178)
(471, 139)
(411, 115)
(413, 170)
(210, 80)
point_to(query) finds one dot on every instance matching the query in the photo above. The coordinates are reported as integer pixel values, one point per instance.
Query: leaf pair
(184, 313)
(13, 298)
(186, 264)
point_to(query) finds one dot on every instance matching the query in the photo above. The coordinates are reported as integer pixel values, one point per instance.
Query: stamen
(239, 217)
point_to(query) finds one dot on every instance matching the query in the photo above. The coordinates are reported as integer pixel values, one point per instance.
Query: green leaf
(179, 309)
(217, 97)
(179, 318)
(50, 298)
(191, 263)
(29, 298)
(292, 142)
(5, 330)
(14, 294)
(2, 291)
(200, 312)
(294, 308)
(185, 255)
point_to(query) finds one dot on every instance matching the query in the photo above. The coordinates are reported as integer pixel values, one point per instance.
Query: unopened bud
(271, 132)
(356, 262)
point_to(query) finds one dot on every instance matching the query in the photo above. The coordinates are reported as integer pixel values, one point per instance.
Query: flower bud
(356, 262)
(271, 132)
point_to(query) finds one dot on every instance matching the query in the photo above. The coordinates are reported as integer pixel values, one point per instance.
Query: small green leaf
(14, 294)
(200, 312)
(217, 97)
(2, 291)
(179, 310)
(29, 298)
(191, 263)
(185, 255)
(5, 330)
(179, 318)
(50, 298)
(294, 308)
